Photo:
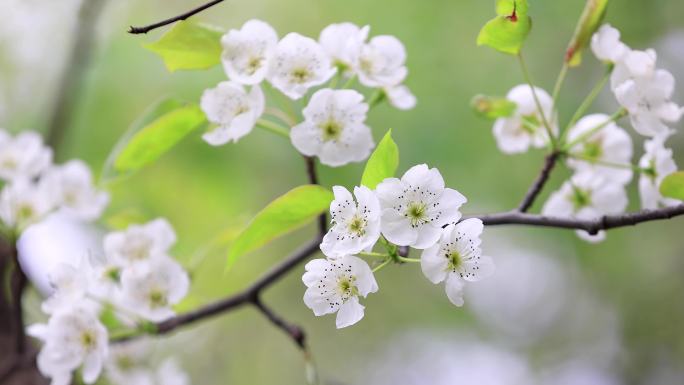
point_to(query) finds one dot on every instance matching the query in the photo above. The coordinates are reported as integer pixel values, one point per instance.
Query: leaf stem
(606, 163)
(588, 101)
(617, 115)
(349, 82)
(545, 121)
(408, 260)
(273, 127)
(380, 266)
(374, 255)
(559, 84)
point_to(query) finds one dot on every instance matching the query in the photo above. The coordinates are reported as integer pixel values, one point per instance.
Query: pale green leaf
(507, 32)
(491, 107)
(189, 46)
(382, 163)
(589, 22)
(673, 186)
(288, 212)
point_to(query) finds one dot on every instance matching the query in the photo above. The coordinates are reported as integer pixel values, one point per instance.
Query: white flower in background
(417, 206)
(606, 44)
(71, 185)
(73, 338)
(125, 364)
(382, 62)
(23, 202)
(153, 288)
(169, 373)
(587, 196)
(104, 275)
(610, 144)
(334, 128)
(634, 64)
(658, 163)
(355, 226)
(69, 285)
(457, 259)
(234, 111)
(334, 285)
(525, 128)
(140, 243)
(400, 97)
(343, 43)
(23, 156)
(298, 64)
(247, 52)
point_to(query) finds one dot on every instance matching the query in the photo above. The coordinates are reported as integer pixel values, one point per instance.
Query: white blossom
(334, 128)
(382, 62)
(606, 44)
(334, 285)
(233, 109)
(587, 196)
(525, 128)
(69, 285)
(23, 156)
(355, 225)
(298, 64)
(247, 52)
(73, 337)
(104, 276)
(343, 42)
(140, 243)
(457, 259)
(634, 64)
(657, 163)
(400, 97)
(23, 202)
(610, 144)
(153, 288)
(71, 185)
(417, 206)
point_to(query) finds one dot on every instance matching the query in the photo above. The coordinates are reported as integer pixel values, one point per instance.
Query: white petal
(454, 289)
(478, 269)
(350, 313)
(397, 229)
(92, 366)
(433, 264)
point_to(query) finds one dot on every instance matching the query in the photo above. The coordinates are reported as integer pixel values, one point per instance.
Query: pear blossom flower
(610, 144)
(23, 156)
(140, 243)
(104, 276)
(153, 288)
(417, 206)
(525, 128)
(382, 62)
(634, 64)
(23, 202)
(73, 337)
(400, 97)
(233, 109)
(355, 225)
(247, 52)
(72, 186)
(334, 285)
(343, 42)
(334, 128)
(587, 196)
(606, 44)
(457, 259)
(658, 163)
(298, 64)
(69, 285)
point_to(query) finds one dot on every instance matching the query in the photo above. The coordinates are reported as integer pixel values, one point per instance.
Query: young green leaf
(288, 212)
(189, 46)
(673, 186)
(507, 32)
(382, 163)
(491, 107)
(155, 134)
(589, 22)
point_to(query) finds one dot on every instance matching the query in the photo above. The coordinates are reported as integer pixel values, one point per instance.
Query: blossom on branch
(247, 52)
(233, 110)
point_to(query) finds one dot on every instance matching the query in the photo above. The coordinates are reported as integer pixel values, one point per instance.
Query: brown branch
(539, 183)
(72, 78)
(592, 226)
(17, 300)
(293, 331)
(148, 28)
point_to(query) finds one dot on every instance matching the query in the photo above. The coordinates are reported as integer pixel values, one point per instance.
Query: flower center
(88, 340)
(112, 274)
(157, 298)
(300, 75)
(138, 248)
(580, 198)
(331, 130)
(593, 151)
(455, 260)
(357, 225)
(650, 171)
(25, 212)
(416, 212)
(253, 65)
(346, 287)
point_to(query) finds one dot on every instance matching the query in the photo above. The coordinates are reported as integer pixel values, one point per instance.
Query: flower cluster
(594, 146)
(415, 211)
(333, 126)
(127, 365)
(35, 187)
(136, 278)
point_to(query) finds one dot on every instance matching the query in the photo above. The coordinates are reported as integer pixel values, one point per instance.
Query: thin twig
(313, 179)
(148, 28)
(539, 183)
(293, 331)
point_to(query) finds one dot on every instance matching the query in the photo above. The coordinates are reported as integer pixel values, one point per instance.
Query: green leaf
(491, 107)
(382, 163)
(156, 132)
(673, 186)
(189, 46)
(507, 32)
(589, 22)
(288, 212)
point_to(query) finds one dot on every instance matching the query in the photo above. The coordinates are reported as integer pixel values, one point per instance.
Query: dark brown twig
(148, 28)
(539, 183)
(293, 331)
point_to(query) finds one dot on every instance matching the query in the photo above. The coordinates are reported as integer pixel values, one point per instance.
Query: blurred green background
(635, 276)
